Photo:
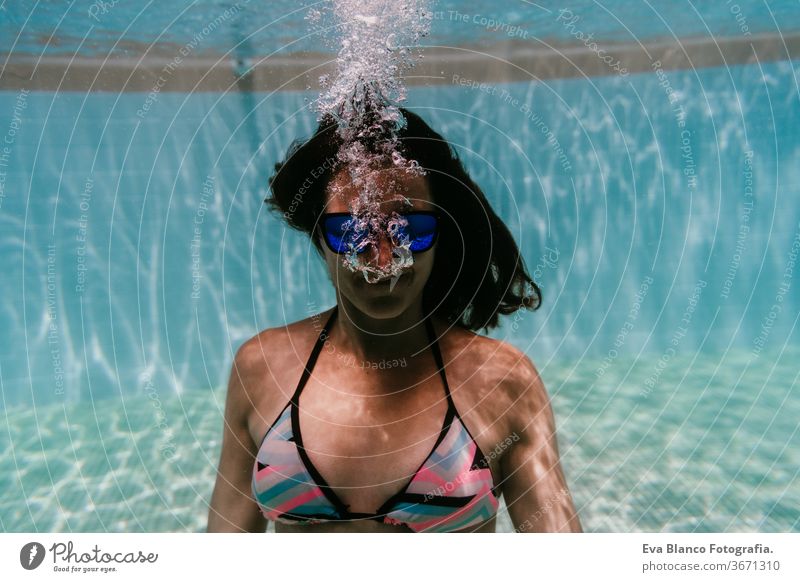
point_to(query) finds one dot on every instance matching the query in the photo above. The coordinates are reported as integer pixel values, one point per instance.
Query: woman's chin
(377, 301)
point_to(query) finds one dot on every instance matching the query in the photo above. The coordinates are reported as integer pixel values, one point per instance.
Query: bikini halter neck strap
(325, 333)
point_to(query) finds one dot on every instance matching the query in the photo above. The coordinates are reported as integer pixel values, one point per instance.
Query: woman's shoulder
(289, 337)
(497, 378)
(495, 356)
(276, 353)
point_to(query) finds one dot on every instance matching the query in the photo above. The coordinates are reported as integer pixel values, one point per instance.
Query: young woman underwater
(387, 412)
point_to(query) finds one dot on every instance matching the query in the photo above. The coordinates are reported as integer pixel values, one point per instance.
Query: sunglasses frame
(437, 215)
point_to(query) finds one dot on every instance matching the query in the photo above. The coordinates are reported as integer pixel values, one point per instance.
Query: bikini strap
(323, 336)
(312, 358)
(437, 356)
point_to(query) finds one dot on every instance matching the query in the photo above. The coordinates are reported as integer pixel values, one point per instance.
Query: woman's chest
(369, 448)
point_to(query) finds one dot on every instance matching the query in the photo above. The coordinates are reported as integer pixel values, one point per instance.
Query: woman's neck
(375, 341)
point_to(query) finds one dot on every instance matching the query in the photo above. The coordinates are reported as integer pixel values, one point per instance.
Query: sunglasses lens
(421, 230)
(341, 235)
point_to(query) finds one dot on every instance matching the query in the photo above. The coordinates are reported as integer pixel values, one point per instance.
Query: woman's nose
(381, 251)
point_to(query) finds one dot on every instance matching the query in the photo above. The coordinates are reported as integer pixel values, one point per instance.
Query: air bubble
(364, 97)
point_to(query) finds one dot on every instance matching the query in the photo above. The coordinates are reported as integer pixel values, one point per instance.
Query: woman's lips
(387, 282)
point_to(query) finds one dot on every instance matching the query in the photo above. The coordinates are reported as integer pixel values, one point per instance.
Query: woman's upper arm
(534, 485)
(232, 507)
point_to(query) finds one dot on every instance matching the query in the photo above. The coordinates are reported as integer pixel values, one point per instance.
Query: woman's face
(393, 295)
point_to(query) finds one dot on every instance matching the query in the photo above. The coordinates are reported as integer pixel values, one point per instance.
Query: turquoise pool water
(658, 212)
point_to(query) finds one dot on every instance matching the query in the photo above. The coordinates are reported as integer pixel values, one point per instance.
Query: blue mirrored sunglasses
(341, 235)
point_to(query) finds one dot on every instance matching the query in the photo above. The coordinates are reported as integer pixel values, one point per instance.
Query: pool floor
(712, 447)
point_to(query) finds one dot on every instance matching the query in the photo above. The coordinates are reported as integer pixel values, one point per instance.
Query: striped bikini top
(451, 490)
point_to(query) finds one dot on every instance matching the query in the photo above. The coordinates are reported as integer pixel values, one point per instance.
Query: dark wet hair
(478, 271)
